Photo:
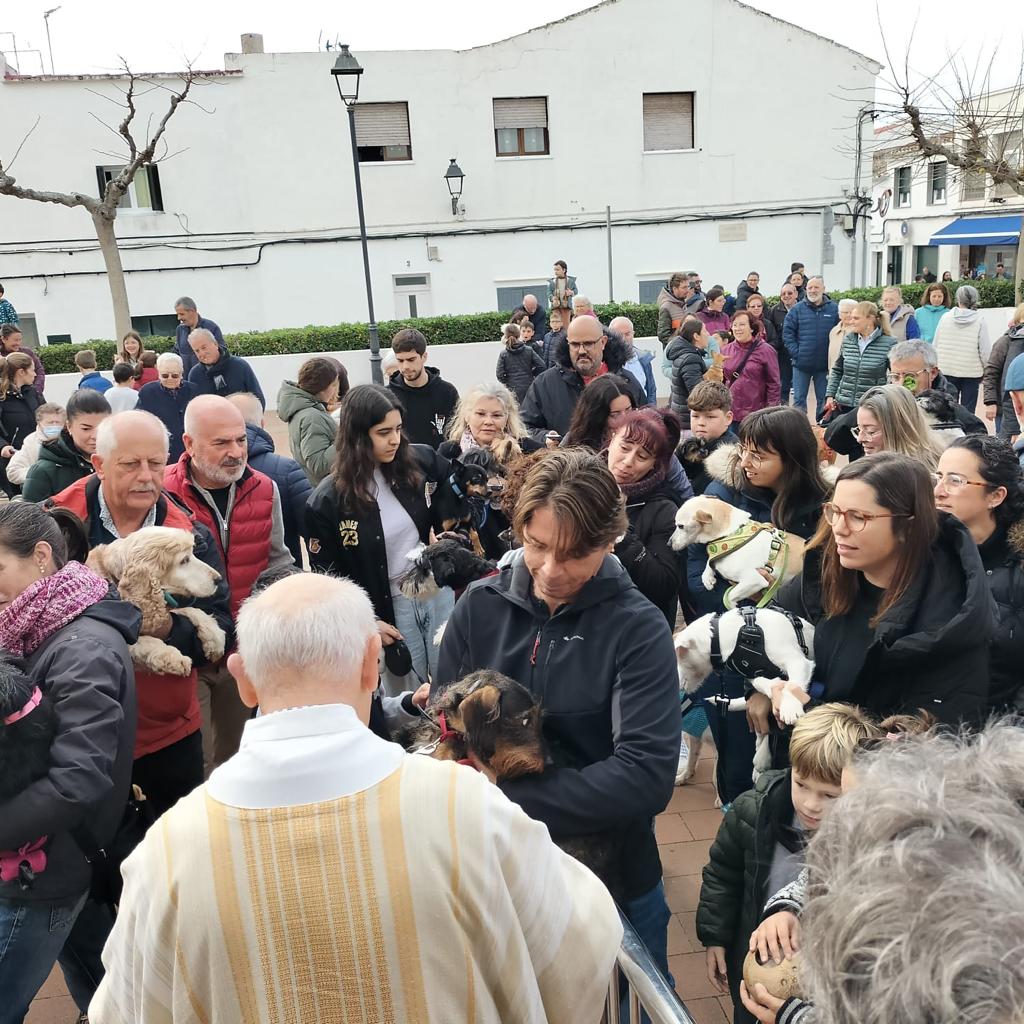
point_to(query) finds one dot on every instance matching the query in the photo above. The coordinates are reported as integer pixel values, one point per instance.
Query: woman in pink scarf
(73, 636)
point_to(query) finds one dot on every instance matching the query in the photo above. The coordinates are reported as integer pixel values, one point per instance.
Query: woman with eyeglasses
(166, 399)
(890, 420)
(979, 482)
(898, 597)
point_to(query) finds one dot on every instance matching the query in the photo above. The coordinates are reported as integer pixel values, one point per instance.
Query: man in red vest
(242, 509)
(124, 495)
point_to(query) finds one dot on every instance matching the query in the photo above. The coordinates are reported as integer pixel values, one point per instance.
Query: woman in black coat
(639, 452)
(17, 410)
(979, 482)
(898, 597)
(365, 518)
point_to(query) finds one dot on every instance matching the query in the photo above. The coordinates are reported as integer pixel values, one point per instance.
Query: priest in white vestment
(323, 875)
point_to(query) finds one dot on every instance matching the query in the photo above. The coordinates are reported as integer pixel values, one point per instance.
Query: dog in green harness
(756, 558)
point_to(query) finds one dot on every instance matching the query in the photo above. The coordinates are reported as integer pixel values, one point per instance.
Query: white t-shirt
(122, 399)
(400, 533)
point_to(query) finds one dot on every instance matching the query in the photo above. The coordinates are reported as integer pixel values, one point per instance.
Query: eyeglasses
(955, 482)
(856, 520)
(585, 344)
(863, 433)
(898, 378)
(754, 457)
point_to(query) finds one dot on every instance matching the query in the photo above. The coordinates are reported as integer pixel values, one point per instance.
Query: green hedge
(443, 330)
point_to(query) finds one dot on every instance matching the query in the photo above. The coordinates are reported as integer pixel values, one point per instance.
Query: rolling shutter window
(522, 112)
(382, 124)
(668, 121)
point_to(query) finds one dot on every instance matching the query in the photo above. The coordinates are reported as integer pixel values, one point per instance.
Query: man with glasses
(590, 351)
(167, 397)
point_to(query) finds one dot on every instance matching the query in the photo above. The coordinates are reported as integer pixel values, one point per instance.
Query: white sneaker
(683, 774)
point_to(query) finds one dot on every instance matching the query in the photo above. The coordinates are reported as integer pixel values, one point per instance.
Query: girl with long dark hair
(366, 517)
(599, 411)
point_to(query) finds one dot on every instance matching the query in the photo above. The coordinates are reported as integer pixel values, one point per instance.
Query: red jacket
(248, 550)
(168, 705)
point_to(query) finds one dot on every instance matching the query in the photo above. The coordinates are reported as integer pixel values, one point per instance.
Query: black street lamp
(347, 71)
(453, 178)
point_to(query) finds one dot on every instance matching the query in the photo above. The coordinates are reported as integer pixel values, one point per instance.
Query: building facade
(690, 134)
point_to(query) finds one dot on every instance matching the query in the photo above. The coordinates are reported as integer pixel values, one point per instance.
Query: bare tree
(103, 210)
(957, 113)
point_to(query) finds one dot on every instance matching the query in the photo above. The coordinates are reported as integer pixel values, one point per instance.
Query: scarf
(642, 489)
(48, 604)
(468, 442)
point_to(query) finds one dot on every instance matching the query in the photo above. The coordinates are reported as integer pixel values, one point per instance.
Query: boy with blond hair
(759, 849)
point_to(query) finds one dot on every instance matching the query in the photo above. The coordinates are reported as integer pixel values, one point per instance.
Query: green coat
(854, 372)
(59, 465)
(312, 430)
(733, 890)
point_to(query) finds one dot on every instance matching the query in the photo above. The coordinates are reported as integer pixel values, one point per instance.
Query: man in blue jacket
(805, 335)
(217, 372)
(188, 320)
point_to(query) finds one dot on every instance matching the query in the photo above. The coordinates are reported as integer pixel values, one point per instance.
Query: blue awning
(979, 231)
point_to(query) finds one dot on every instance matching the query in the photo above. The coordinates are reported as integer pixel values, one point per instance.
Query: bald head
(624, 326)
(530, 304)
(586, 339)
(308, 639)
(215, 441)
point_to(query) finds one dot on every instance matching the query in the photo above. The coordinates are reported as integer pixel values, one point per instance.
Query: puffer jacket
(671, 314)
(688, 371)
(312, 430)
(962, 343)
(752, 375)
(855, 371)
(84, 668)
(59, 465)
(645, 550)
(517, 367)
(1002, 555)
(805, 334)
(1004, 351)
(903, 325)
(743, 292)
(292, 485)
(735, 881)
(931, 649)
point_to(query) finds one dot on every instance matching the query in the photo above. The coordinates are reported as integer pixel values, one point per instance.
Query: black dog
(446, 563)
(29, 724)
(940, 411)
(458, 498)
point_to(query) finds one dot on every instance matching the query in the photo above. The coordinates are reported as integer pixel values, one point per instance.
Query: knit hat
(1015, 375)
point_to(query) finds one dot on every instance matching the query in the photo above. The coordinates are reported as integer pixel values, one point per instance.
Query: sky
(87, 40)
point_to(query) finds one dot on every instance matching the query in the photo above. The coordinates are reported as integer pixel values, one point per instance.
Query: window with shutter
(521, 126)
(382, 132)
(143, 193)
(668, 121)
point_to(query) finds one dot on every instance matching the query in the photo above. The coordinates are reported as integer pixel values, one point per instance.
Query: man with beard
(242, 509)
(123, 496)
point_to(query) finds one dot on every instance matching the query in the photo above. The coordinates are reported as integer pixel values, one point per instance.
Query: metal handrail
(648, 989)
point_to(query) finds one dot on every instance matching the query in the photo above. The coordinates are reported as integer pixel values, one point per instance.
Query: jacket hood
(1015, 331)
(965, 316)
(291, 400)
(62, 451)
(398, 382)
(666, 298)
(260, 442)
(900, 312)
(118, 614)
(723, 465)
(616, 353)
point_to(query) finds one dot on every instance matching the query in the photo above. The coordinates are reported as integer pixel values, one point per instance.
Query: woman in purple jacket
(713, 314)
(751, 367)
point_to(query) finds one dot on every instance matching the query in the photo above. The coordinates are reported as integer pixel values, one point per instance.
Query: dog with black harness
(460, 499)
(762, 645)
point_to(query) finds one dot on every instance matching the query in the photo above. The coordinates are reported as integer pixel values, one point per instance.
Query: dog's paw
(155, 656)
(790, 706)
(211, 636)
(709, 577)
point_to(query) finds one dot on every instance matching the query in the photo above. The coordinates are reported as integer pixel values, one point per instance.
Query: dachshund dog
(446, 563)
(467, 484)
(28, 724)
(488, 720)
(147, 565)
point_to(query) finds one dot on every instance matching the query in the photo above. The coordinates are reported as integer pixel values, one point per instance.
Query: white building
(715, 134)
(929, 214)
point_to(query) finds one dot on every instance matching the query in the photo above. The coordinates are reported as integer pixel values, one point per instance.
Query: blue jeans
(418, 622)
(801, 384)
(33, 936)
(967, 389)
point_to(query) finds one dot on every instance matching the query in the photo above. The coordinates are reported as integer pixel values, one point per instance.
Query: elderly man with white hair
(166, 398)
(241, 507)
(124, 495)
(535, 312)
(217, 371)
(640, 363)
(330, 876)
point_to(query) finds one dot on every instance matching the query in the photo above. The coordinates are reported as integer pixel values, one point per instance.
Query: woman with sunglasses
(979, 482)
(898, 597)
(166, 398)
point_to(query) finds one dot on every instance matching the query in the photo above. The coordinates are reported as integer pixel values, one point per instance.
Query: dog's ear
(480, 710)
(682, 642)
(702, 517)
(105, 561)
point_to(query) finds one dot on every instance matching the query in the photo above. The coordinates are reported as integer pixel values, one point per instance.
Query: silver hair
(249, 406)
(202, 332)
(911, 349)
(581, 300)
(106, 432)
(846, 304)
(169, 359)
(967, 296)
(281, 641)
(185, 303)
(916, 908)
(816, 277)
(894, 288)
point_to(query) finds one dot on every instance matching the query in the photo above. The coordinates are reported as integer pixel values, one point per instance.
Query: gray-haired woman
(963, 346)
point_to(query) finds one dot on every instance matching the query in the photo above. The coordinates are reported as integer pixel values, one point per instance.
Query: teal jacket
(928, 318)
(854, 371)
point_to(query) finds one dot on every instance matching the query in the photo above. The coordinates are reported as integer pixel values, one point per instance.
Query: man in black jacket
(590, 350)
(568, 623)
(427, 401)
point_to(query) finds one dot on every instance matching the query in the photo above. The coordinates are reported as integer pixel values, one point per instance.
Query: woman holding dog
(979, 482)
(751, 369)
(369, 514)
(640, 451)
(898, 596)
(488, 417)
(73, 640)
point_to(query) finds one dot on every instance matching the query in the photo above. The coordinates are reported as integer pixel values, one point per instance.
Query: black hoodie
(428, 409)
(552, 398)
(604, 671)
(86, 671)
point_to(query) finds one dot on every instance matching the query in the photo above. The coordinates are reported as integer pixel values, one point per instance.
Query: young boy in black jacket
(710, 406)
(759, 848)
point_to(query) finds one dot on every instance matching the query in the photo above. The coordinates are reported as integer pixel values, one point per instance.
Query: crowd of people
(301, 862)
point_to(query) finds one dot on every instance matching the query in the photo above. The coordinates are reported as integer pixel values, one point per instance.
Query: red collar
(450, 734)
